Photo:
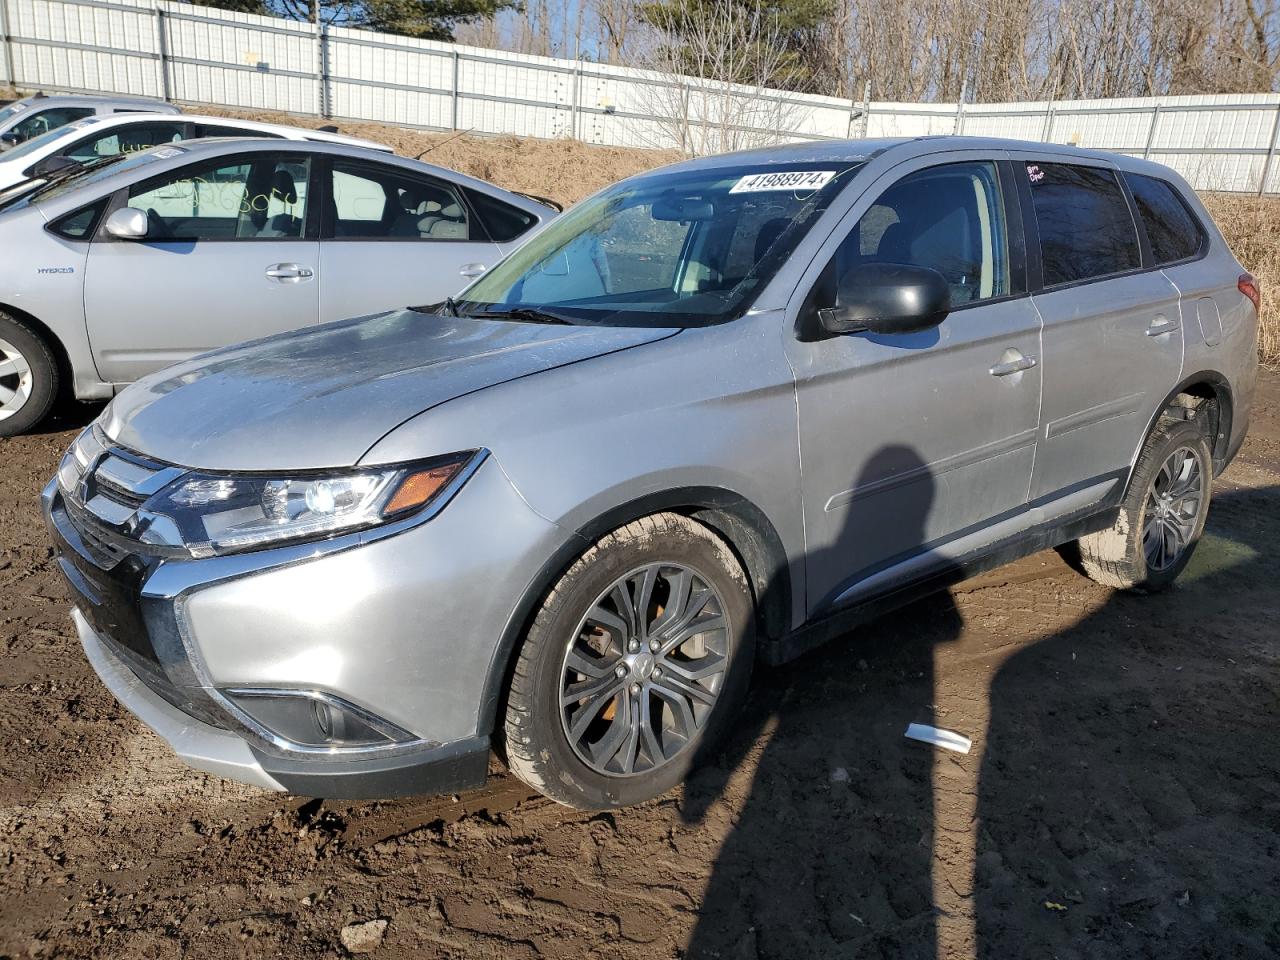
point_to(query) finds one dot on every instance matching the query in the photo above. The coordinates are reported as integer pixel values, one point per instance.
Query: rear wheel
(1162, 516)
(28, 377)
(632, 667)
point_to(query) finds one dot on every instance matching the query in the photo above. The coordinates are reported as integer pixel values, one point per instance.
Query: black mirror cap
(888, 298)
(51, 165)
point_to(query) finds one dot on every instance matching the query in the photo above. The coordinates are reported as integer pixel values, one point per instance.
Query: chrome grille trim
(104, 503)
(133, 479)
(110, 511)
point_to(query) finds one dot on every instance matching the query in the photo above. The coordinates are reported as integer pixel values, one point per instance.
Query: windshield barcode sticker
(788, 180)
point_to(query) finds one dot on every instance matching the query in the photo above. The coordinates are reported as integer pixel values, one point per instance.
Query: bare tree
(732, 62)
(909, 50)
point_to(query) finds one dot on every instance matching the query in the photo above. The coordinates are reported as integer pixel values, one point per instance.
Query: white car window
(386, 204)
(239, 198)
(133, 138)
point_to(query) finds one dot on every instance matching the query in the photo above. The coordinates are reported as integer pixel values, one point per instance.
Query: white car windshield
(38, 144)
(677, 249)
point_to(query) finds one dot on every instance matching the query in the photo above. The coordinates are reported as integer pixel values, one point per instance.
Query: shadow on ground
(1122, 801)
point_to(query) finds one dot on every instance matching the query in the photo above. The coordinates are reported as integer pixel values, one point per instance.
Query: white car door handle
(1161, 325)
(286, 272)
(472, 269)
(1013, 365)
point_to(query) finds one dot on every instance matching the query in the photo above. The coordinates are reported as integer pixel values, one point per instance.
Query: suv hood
(322, 396)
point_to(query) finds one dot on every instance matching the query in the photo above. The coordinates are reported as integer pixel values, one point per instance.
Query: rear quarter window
(502, 221)
(1086, 230)
(1172, 229)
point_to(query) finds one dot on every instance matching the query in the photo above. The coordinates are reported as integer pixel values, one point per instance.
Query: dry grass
(563, 170)
(1252, 227)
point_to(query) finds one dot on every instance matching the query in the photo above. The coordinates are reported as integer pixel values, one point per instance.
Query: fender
(1222, 395)
(739, 521)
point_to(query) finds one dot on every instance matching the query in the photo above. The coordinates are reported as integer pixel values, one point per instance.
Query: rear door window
(1172, 230)
(1086, 230)
(218, 130)
(381, 203)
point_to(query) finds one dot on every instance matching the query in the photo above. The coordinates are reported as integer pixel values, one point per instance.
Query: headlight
(215, 514)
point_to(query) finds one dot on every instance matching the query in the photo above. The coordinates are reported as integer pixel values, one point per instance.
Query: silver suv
(718, 412)
(38, 114)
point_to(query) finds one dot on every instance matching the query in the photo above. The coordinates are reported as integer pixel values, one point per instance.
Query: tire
(1125, 556)
(28, 377)
(571, 751)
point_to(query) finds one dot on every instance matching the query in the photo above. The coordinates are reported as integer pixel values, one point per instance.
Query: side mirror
(128, 223)
(887, 298)
(51, 165)
(9, 139)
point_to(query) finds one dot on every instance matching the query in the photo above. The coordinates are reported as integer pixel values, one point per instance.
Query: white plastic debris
(947, 739)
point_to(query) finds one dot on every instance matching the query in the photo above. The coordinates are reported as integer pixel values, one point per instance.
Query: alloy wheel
(15, 380)
(1174, 501)
(643, 671)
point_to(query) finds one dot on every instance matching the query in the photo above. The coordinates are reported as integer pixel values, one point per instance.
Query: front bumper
(403, 629)
(457, 766)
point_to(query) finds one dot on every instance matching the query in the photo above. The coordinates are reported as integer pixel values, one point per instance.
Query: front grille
(103, 503)
(120, 482)
(105, 565)
(100, 548)
(117, 493)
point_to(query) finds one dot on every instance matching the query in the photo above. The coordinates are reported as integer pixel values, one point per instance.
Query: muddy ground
(1122, 798)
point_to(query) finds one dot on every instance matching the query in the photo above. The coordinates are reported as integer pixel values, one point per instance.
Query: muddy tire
(634, 666)
(1162, 516)
(28, 377)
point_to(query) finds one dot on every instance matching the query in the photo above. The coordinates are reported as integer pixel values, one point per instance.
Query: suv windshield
(681, 249)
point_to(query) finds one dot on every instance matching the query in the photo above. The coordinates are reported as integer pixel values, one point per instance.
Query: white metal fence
(195, 54)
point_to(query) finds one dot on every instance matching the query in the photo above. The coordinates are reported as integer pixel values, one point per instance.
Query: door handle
(1161, 325)
(1014, 362)
(289, 272)
(472, 269)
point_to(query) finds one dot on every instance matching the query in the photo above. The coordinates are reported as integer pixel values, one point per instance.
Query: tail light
(1249, 287)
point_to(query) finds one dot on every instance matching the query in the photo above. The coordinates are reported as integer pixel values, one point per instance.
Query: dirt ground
(1121, 800)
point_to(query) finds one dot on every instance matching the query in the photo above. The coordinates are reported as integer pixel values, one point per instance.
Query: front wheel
(28, 377)
(1162, 516)
(633, 666)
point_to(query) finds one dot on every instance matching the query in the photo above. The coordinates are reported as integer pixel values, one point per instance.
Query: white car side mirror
(128, 223)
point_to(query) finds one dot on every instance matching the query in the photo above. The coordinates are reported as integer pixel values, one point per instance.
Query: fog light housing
(311, 719)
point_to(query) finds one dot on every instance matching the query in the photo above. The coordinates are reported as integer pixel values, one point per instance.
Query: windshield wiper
(70, 173)
(524, 315)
